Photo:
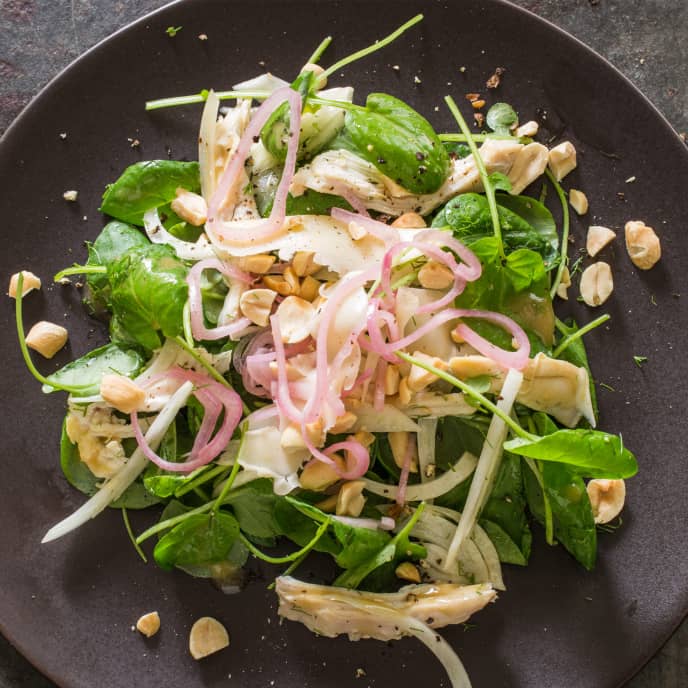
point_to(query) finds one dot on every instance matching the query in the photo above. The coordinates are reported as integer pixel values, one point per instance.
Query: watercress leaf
(147, 185)
(299, 524)
(509, 552)
(358, 544)
(253, 505)
(501, 117)
(199, 539)
(574, 523)
(524, 267)
(89, 369)
(399, 141)
(457, 150)
(115, 239)
(592, 453)
(468, 216)
(538, 216)
(500, 182)
(149, 291)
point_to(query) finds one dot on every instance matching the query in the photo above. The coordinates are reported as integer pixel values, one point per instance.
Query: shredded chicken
(331, 611)
(339, 169)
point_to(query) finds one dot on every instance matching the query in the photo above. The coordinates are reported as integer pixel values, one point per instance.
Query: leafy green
(114, 241)
(300, 528)
(590, 453)
(200, 539)
(254, 507)
(574, 523)
(314, 203)
(501, 117)
(147, 185)
(508, 551)
(468, 216)
(149, 291)
(501, 288)
(399, 141)
(88, 370)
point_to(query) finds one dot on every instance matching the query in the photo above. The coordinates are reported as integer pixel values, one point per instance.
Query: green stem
(171, 522)
(568, 340)
(130, 533)
(563, 257)
(549, 522)
(469, 391)
(342, 104)
(372, 48)
(235, 469)
(313, 59)
(201, 479)
(19, 319)
(202, 97)
(462, 138)
(487, 184)
(80, 270)
(294, 556)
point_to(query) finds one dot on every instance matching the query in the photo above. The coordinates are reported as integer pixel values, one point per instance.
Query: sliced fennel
(114, 488)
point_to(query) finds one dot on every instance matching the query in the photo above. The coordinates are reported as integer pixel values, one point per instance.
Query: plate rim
(561, 33)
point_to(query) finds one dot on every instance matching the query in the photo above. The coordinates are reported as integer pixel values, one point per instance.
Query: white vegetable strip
(486, 469)
(115, 487)
(427, 433)
(433, 488)
(206, 145)
(186, 250)
(442, 650)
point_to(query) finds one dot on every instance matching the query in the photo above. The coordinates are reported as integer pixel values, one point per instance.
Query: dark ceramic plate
(69, 606)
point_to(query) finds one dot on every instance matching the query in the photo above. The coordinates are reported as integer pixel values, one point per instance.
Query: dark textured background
(646, 39)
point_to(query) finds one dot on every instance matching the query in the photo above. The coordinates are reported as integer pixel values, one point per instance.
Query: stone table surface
(646, 39)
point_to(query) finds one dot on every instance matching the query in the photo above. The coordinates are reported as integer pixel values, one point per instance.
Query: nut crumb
(479, 119)
(202, 37)
(70, 195)
(472, 97)
(360, 673)
(630, 180)
(63, 135)
(396, 68)
(148, 624)
(416, 80)
(134, 143)
(495, 79)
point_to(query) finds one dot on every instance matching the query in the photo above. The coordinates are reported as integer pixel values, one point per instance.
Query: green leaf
(500, 182)
(200, 539)
(147, 185)
(399, 141)
(509, 552)
(574, 523)
(253, 505)
(115, 239)
(149, 291)
(359, 545)
(576, 354)
(468, 216)
(300, 524)
(592, 453)
(89, 369)
(524, 267)
(501, 117)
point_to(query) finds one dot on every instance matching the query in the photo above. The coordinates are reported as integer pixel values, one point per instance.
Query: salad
(336, 330)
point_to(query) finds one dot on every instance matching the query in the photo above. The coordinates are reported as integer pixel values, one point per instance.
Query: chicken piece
(331, 611)
(549, 384)
(340, 168)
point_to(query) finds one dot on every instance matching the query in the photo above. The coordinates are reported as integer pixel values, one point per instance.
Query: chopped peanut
(256, 305)
(398, 442)
(434, 275)
(207, 636)
(317, 475)
(392, 378)
(259, 264)
(295, 319)
(310, 288)
(419, 378)
(30, 282)
(149, 624)
(409, 221)
(598, 238)
(303, 263)
(122, 393)
(191, 207)
(350, 500)
(47, 338)
(607, 498)
(344, 423)
(562, 160)
(596, 283)
(578, 201)
(408, 572)
(642, 244)
(528, 129)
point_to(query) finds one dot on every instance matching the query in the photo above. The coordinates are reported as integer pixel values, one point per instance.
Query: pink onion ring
(193, 279)
(214, 397)
(265, 229)
(385, 233)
